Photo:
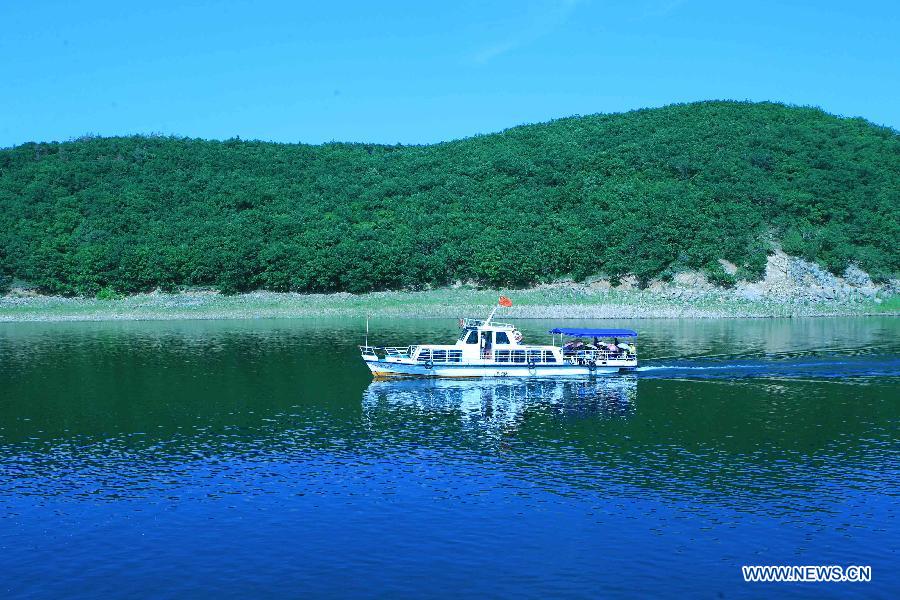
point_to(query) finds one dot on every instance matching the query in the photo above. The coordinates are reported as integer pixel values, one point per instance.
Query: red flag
(504, 301)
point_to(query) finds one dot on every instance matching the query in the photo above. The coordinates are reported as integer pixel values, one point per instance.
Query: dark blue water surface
(258, 459)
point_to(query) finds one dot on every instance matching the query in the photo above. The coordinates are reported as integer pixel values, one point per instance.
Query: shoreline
(571, 301)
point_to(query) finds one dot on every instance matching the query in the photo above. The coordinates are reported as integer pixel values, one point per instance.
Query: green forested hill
(647, 193)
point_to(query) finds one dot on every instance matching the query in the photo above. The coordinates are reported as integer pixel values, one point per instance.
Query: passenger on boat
(573, 345)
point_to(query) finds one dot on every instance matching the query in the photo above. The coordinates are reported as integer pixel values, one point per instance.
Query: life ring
(429, 364)
(532, 365)
(517, 335)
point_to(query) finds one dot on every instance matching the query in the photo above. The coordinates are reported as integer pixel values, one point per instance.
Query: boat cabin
(485, 341)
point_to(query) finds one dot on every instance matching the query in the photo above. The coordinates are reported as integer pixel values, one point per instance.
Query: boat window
(473, 337)
(534, 356)
(549, 356)
(518, 356)
(501, 337)
(439, 356)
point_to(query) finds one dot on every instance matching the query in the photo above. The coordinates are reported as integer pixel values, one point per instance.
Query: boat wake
(806, 367)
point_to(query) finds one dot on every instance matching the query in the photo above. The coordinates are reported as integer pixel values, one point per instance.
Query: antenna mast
(491, 316)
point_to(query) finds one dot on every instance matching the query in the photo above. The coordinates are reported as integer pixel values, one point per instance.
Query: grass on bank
(560, 303)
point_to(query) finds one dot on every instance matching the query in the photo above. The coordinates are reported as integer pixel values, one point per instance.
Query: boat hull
(383, 368)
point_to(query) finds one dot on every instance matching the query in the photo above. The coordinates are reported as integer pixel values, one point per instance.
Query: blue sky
(420, 72)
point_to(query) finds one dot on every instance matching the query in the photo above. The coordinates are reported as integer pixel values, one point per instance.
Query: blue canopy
(587, 332)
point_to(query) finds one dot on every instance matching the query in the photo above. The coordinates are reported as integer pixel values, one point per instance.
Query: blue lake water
(259, 459)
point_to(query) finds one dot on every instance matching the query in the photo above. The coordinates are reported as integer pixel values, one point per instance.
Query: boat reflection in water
(503, 403)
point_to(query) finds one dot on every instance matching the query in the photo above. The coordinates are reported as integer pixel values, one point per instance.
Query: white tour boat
(486, 348)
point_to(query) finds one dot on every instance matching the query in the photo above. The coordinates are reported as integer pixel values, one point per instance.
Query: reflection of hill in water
(112, 410)
(744, 444)
(503, 403)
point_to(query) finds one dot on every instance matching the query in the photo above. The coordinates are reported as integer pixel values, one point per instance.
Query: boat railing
(593, 355)
(474, 323)
(391, 351)
(398, 351)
